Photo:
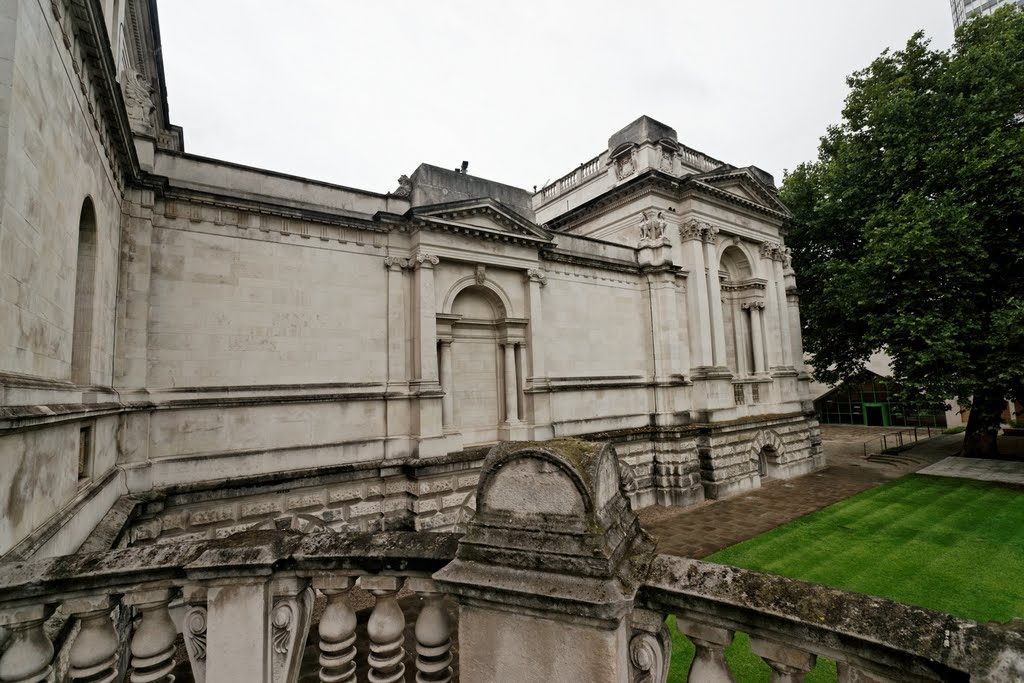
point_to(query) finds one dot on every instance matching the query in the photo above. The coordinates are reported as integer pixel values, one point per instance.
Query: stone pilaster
(698, 309)
(448, 386)
(714, 299)
(397, 443)
(666, 368)
(132, 328)
(773, 322)
(536, 385)
(426, 385)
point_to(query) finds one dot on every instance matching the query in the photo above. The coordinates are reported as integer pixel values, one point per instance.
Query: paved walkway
(705, 529)
(1004, 471)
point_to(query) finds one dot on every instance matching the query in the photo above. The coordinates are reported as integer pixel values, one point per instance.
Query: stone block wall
(243, 299)
(56, 155)
(434, 497)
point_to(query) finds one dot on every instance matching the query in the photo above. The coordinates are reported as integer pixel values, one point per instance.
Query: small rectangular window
(84, 453)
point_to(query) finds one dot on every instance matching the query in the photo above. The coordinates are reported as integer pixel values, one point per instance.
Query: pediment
(742, 184)
(483, 214)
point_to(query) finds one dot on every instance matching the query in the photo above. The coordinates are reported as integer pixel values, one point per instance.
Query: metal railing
(894, 442)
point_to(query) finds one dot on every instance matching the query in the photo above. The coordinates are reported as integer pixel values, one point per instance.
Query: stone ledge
(49, 580)
(847, 626)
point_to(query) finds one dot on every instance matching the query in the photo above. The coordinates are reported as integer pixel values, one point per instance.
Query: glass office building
(966, 9)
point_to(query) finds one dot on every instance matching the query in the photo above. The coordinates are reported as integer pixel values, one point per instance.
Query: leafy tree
(908, 233)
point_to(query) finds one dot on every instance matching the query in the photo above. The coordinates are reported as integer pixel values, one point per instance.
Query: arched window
(85, 296)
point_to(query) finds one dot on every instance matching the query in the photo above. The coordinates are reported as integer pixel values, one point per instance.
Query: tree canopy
(908, 229)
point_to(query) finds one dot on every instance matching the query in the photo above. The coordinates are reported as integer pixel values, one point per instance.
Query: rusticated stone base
(679, 466)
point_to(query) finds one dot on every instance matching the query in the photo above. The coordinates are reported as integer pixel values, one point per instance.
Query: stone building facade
(198, 346)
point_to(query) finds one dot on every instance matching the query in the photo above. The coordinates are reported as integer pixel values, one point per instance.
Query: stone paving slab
(1004, 471)
(705, 529)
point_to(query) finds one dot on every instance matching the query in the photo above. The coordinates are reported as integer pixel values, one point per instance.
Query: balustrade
(251, 598)
(198, 579)
(570, 180)
(792, 623)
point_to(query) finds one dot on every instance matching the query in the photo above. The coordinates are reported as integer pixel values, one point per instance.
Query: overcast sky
(359, 92)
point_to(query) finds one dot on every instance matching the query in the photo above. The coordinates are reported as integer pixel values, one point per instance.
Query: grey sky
(357, 93)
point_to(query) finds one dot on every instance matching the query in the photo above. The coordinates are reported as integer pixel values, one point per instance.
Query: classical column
(714, 298)
(773, 327)
(396, 320)
(520, 375)
(447, 384)
(793, 304)
(426, 328)
(756, 334)
(538, 400)
(738, 329)
(780, 298)
(511, 391)
(698, 315)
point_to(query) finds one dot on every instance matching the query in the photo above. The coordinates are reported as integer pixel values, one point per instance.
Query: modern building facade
(966, 9)
(229, 344)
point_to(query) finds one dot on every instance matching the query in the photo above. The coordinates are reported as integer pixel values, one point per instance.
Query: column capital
(753, 305)
(395, 263)
(776, 252)
(537, 275)
(695, 229)
(423, 259)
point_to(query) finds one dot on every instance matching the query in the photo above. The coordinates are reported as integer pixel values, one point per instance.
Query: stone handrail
(570, 180)
(698, 160)
(245, 602)
(791, 622)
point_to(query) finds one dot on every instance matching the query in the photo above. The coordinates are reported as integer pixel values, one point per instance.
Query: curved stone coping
(247, 554)
(864, 631)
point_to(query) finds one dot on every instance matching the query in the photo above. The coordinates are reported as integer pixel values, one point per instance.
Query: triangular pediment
(744, 185)
(486, 215)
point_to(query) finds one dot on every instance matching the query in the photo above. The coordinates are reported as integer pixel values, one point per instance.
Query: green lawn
(951, 545)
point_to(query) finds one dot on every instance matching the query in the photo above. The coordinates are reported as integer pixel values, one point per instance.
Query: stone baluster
(153, 641)
(709, 665)
(337, 631)
(29, 652)
(93, 655)
(788, 664)
(386, 629)
(433, 634)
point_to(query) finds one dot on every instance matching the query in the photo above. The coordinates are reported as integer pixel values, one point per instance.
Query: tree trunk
(983, 425)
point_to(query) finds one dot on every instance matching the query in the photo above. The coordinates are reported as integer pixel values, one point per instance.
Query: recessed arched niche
(481, 365)
(85, 296)
(534, 484)
(739, 289)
